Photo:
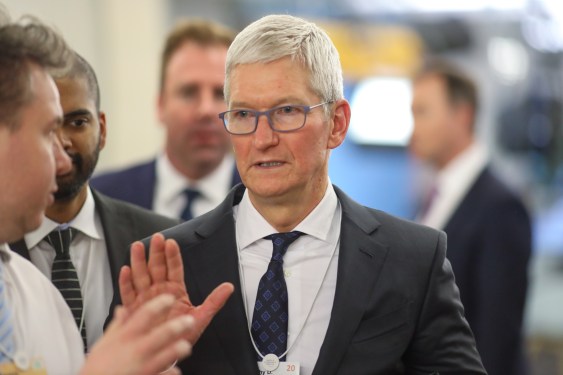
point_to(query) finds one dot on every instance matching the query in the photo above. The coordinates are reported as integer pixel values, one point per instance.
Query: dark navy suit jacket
(489, 245)
(136, 184)
(396, 307)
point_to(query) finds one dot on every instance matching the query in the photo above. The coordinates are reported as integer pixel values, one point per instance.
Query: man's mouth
(270, 164)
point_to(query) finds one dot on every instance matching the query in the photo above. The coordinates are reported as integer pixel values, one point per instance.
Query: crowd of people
(232, 252)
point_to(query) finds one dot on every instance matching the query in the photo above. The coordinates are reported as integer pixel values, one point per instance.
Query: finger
(204, 313)
(126, 288)
(157, 362)
(149, 315)
(157, 259)
(217, 299)
(164, 344)
(172, 371)
(117, 320)
(139, 272)
(174, 262)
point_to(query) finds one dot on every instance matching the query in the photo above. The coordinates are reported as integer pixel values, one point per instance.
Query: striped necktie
(6, 322)
(64, 276)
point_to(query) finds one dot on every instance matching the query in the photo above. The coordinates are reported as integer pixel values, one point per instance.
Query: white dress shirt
(452, 184)
(310, 291)
(169, 199)
(88, 253)
(44, 327)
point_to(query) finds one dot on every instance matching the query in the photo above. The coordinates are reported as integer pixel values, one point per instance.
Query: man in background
(99, 229)
(196, 169)
(488, 228)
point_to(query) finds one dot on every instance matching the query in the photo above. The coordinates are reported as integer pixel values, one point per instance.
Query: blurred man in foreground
(38, 332)
(99, 229)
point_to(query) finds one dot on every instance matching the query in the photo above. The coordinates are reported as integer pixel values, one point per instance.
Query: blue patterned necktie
(270, 318)
(64, 276)
(6, 322)
(191, 195)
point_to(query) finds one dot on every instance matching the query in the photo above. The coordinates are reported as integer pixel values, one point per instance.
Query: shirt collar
(4, 252)
(85, 222)
(316, 224)
(213, 186)
(463, 169)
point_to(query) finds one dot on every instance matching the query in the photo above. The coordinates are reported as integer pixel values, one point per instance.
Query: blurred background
(512, 48)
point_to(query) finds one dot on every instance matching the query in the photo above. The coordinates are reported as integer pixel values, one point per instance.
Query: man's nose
(63, 138)
(264, 136)
(209, 105)
(62, 160)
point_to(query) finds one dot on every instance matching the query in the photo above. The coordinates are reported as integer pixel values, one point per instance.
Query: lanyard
(300, 331)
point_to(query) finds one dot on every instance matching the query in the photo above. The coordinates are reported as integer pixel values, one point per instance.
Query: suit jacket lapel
(115, 234)
(359, 264)
(236, 177)
(216, 257)
(20, 247)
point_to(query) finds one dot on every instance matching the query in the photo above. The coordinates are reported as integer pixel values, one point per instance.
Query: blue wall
(377, 177)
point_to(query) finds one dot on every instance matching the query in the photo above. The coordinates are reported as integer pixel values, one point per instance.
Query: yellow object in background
(367, 50)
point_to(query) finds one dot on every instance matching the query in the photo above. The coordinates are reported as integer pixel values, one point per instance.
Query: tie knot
(61, 239)
(281, 242)
(191, 193)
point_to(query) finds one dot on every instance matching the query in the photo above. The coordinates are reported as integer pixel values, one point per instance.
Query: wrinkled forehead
(293, 67)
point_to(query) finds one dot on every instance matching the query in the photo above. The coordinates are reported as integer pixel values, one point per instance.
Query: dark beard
(84, 168)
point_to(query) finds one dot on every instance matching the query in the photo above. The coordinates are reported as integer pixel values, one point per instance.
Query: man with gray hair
(323, 285)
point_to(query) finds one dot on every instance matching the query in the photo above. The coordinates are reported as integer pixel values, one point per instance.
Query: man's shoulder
(390, 229)
(127, 174)
(489, 191)
(26, 276)
(108, 206)
(217, 224)
(134, 184)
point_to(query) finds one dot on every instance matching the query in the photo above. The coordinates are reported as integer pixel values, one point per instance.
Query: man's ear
(465, 115)
(103, 129)
(340, 122)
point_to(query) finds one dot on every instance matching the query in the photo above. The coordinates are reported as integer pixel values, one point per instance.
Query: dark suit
(136, 184)
(489, 244)
(122, 223)
(396, 308)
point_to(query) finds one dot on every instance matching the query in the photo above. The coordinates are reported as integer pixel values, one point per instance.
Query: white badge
(270, 362)
(282, 368)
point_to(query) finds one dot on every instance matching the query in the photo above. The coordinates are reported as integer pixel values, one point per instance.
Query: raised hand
(164, 273)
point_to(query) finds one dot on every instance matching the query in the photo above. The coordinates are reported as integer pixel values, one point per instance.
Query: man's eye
(240, 115)
(288, 110)
(218, 94)
(79, 122)
(188, 92)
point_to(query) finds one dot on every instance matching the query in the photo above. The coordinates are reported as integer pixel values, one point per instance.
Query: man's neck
(63, 211)
(192, 171)
(285, 213)
(454, 153)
